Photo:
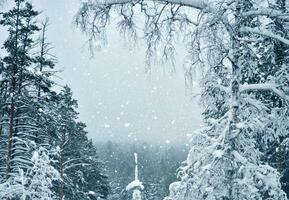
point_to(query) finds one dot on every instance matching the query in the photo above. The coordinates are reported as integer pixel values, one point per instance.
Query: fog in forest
(117, 99)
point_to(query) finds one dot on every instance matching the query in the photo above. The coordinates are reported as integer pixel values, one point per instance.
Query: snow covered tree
(66, 116)
(35, 120)
(36, 183)
(44, 71)
(16, 77)
(136, 186)
(80, 169)
(94, 180)
(227, 39)
(272, 66)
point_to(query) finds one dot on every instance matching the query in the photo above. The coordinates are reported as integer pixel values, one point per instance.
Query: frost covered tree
(80, 169)
(42, 175)
(16, 80)
(228, 40)
(136, 186)
(272, 65)
(94, 180)
(35, 120)
(36, 183)
(44, 72)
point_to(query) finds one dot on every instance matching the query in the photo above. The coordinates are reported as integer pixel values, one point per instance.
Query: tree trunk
(1, 125)
(10, 139)
(233, 131)
(13, 93)
(61, 187)
(37, 134)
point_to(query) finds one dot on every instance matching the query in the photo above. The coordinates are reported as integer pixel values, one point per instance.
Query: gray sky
(117, 100)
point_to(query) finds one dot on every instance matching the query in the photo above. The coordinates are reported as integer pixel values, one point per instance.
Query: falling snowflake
(106, 126)
(126, 125)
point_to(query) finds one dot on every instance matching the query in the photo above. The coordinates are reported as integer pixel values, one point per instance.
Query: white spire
(135, 185)
(136, 166)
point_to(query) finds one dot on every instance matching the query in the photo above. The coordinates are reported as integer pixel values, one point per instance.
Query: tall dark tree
(80, 170)
(44, 72)
(44, 149)
(20, 22)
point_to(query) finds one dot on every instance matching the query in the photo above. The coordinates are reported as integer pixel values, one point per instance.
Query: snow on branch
(198, 4)
(265, 86)
(258, 86)
(267, 12)
(76, 165)
(264, 32)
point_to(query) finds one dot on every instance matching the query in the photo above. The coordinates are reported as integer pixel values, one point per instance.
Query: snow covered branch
(265, 86)
(197, 4)
(267, 12)
(257, 86)
(266, 33)
(76, 165)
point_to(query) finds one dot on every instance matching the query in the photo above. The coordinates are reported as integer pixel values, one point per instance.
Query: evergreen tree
(78, 160)
(43, 71)
(36, 122)
(17, 109)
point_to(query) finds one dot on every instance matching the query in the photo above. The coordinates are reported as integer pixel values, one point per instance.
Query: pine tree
(44, 70)
(78, 163)
(36, 122)
(20, 22)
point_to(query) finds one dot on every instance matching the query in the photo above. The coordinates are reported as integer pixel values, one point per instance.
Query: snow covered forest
(236, 54)
(44, 149)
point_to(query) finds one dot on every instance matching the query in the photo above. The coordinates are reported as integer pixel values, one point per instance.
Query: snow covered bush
(34, 184)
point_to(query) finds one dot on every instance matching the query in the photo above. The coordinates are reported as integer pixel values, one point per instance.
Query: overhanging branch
(265, 86)
(197, 4)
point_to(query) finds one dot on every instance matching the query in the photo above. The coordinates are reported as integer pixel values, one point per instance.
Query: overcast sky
(117, 100)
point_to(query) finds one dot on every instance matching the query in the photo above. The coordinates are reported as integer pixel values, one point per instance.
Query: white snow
(126, 125)
(135, 184)
(106, 126)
